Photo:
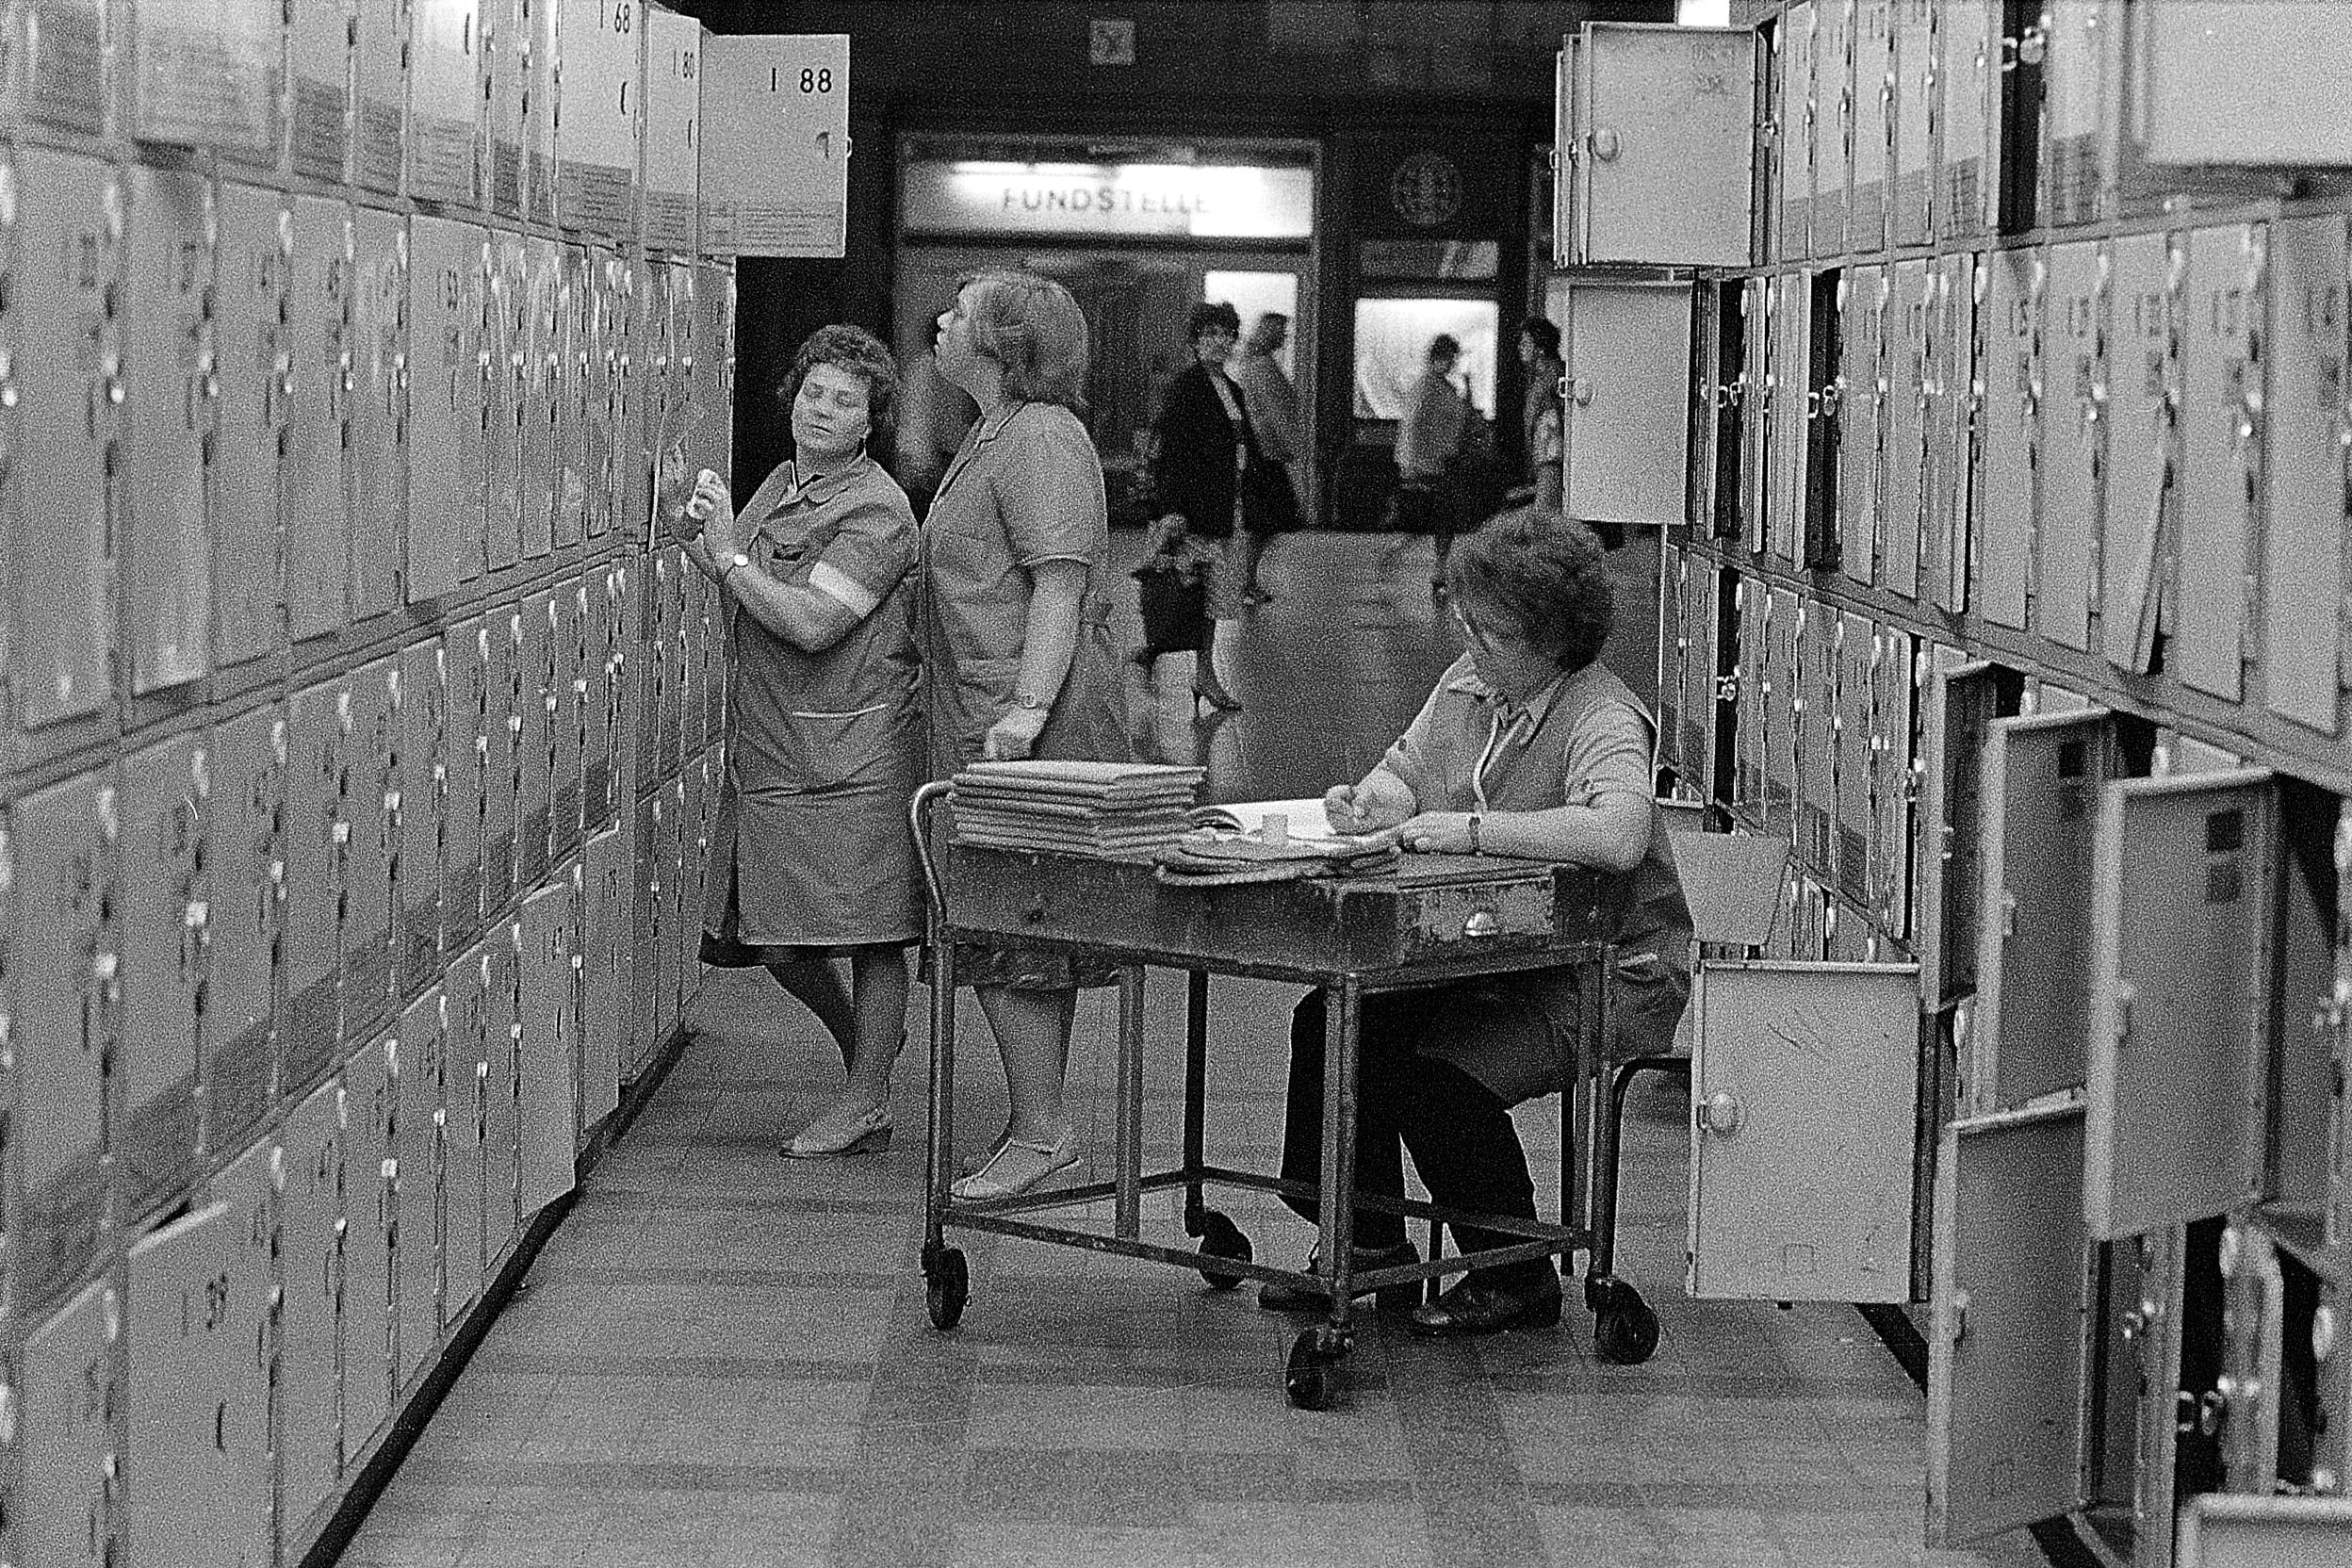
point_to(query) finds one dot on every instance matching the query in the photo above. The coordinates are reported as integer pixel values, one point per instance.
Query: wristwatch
(1030, 702)
(1475, 818)
(731, 563)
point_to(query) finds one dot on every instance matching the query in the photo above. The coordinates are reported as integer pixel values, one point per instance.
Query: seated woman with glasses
(1527, 748)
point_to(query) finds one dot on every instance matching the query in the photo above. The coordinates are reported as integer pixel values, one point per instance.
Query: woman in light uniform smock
(813, 855)
(1017, 649)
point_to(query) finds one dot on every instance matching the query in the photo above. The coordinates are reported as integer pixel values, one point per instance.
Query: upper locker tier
(1656, 140)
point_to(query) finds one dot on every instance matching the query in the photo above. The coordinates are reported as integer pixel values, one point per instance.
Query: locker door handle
(1721, 1114)
(2124, 997)
(1606, 145)
(2008, 913)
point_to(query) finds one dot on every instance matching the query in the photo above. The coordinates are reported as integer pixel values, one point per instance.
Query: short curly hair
(1209, 315)
(1546, 574)
(1034, 330)
(863, 355)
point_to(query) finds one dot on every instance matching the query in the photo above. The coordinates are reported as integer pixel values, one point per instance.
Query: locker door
(2070, 109)
(1755, 412)
(1904, 428)
(251, 264)
(2041, 782)
(63, 78)
(1749, 673)
(461, 1135)
(539, 113)
(209, 78)
(2289, 65)
(576, 374)
(1962, 699)
(500, 647)
(546, 1084)
(507, 311)
(2220, 436)
(2182, 901)
(1894, 781)
(1911, 175)
(1945, 466)
(502, 1136)
(566, 617)
(196, 1474)
(314, 767)
(657, 694)
(445, 406)
(2005, 1355)
(1815, 718)
(2307, 436)
(1851, 726)
(2009, 496)
(1673, 106)
(69, 1386)
(165, 806)
(597, 657)
(244, 850)
(380, 349)
(2220, 1530)
(1968, 154)
(319, 384)
(628, 413)
(60, 855)
(1803, 1091)
(1566, 154)
(1832, 122)
(370, 785)
(417, 1148)
(380, 79)
(1674, 650)
(604, 993)
(1793, 410)
(445, 103)
(1861, 390)
(421, 784)
(2073, 436)
(534, 737)
(647, 934)
(67, 224)
(311, 1163)
(694, 854)
(1796, 131)
(368, 1304)
(505, 77)
(2147, 272)
(321, 99)
(1698, 676)
(465, 681)
(542, 397)
(609, 276)
(1784, 624)
(170, 386)
(1873, 94)
(1628, 436)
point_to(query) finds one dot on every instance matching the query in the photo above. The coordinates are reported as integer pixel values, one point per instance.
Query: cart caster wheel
(1624, 1330)
(949, 1279)
(1221, 1238)
(1313, 1378)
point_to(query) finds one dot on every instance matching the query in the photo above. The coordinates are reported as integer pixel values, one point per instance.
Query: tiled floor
(722, 1357)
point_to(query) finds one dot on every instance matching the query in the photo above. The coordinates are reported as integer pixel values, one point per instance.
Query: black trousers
(1463, 1145)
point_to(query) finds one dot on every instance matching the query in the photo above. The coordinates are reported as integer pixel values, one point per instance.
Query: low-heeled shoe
(850, 1133)
(1479, 1306)
(1280, 1295)
(1016, 1166)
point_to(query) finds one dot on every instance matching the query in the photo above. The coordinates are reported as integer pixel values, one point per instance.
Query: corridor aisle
(721, 1359)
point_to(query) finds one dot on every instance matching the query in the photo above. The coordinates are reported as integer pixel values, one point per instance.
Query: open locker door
(1802, 1089)
(1963, 697)
(2223, 1530)
(2042, 775)
(2183, 913)
(2006, 1355)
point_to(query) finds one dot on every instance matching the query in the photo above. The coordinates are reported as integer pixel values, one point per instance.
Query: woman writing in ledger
(1529, 748)
(1017, 649)
(813, 855)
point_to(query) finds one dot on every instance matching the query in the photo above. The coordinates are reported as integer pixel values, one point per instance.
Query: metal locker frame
(247, 759)
(447, 356)
(370, 755)
(2008, 498)
(1871, 158)
(170, 386)
(369, 1308)
(463, 1162)
(1565, 165)
(62, 892)
(423, 1065)
(546, 1083)
(165, 806)
(2221, 438)
(2306, 459)
(2041, 777)
(1804, 1089)
(1833, 125)
(2007, 1351)
(2148, 277)
(58, 523)
(1861, 383)
(308, 1156)
(69, 1387)
(379, 426)
(1664, 104)
(2178, 1133)
(2071, 454)
(309, 960)
(316, 482)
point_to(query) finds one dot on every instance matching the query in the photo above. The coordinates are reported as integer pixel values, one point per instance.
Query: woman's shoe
(1016, 1166)
(972, 1165)
(1212, 692)
(843, 1129)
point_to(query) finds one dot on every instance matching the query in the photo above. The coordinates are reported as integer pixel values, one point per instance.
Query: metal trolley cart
(1437, 919)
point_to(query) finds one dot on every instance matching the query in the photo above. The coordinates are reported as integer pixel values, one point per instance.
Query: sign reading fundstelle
(1185, 201)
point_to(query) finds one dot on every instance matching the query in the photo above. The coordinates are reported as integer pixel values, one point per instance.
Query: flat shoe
(972, 1165)
(1475, 1306)
(1280, 1295)
(1015, 1167)
(840, 1131)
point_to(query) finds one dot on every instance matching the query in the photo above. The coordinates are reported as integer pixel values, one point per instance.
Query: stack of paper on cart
(1112, 811)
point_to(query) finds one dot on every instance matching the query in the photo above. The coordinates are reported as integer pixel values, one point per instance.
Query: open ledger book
(1300, 827)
